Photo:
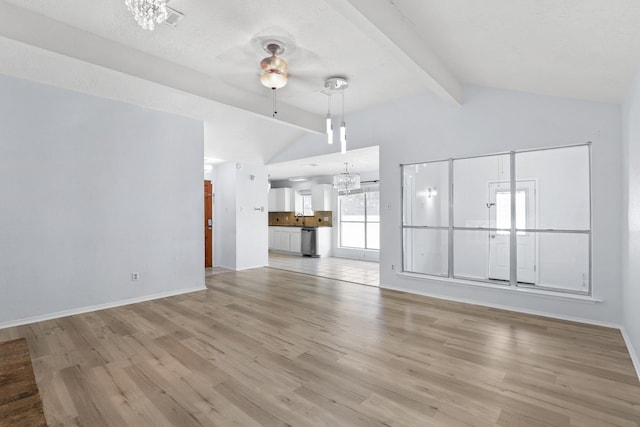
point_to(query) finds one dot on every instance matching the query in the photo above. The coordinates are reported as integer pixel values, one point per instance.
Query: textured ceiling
(215, 38)
(585, 49)
(207, 67)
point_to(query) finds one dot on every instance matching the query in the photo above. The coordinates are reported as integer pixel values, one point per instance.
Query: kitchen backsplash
(319, 219)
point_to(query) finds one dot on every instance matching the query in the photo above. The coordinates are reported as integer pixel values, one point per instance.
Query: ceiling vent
(173, 17)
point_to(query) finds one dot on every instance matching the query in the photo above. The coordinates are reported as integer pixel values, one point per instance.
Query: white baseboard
(65, 313)
(506, 307)
(252, 267)
(632, 351)
(243, 268)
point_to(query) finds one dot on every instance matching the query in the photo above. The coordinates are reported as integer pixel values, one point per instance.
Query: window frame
(366, 220)
(514, 232)
(305, 212)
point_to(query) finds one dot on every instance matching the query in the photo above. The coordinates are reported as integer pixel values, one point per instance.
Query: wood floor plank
(20, 401)
(271, 347)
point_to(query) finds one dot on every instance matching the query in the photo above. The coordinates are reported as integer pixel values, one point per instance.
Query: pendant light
(329, 124)
(332, 86)
(343, 130)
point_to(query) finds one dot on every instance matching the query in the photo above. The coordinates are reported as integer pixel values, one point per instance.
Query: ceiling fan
(298, 71)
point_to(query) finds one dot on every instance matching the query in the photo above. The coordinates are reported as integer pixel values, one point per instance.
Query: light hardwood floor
(274, 348)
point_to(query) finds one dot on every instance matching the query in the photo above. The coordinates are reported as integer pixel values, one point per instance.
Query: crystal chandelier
(346, 181)
(148, 12)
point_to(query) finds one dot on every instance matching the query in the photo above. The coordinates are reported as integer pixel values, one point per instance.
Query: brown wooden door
(208, 224)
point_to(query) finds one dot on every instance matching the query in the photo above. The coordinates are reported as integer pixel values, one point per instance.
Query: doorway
(499, 241)
(208, 224)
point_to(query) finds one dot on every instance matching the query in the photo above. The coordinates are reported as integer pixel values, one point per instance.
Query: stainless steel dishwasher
(309, 242)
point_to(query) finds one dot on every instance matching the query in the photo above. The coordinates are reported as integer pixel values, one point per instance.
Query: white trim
(251, 267)
(97, 307)
(365, 255)
(632, 351)
(503, 288)
(285, 252)
(507, 307)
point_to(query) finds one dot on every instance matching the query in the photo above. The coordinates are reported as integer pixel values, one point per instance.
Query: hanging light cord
(275, 112)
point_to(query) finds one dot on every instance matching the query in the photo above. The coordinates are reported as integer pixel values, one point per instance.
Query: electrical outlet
(393, 266)
(326, 218)
(135, 276)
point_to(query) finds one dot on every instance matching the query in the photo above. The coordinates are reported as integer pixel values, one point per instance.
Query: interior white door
(499, 242)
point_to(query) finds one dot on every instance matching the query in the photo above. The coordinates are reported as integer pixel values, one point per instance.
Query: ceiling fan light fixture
(274, 69)
(147, 13)
(274, 79)
(273, 63)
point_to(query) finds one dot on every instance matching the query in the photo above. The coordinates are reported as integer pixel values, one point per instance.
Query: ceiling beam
(386, 23)
(42, 32)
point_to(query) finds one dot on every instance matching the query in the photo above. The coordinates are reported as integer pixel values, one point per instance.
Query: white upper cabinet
(280, 200)
(321, 197)
(272, 200)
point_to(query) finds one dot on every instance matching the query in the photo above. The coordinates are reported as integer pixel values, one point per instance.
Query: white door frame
(531, 188)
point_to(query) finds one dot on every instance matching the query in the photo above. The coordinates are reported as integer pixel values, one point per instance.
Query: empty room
(319, 213)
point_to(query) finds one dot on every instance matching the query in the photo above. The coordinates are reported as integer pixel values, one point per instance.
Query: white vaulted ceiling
(587, 49)
(207, 67)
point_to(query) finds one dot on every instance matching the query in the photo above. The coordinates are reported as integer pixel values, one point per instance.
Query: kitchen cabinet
(271, 238)
(295, 241)
(323, 241)
(289, 239)
(272, 200)
(321, 197)
(285, 239)
(280, 200)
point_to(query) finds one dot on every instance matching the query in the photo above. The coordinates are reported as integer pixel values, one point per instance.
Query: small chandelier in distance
(147, 13)
(346, 181)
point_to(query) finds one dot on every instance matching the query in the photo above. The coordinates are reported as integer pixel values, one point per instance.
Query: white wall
(224, 215)
(91, 191)
(631, 220)
(423, 128)
(241, 236)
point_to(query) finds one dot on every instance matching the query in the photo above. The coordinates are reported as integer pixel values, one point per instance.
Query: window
(307, 209)
(359, 217)
(457, 219)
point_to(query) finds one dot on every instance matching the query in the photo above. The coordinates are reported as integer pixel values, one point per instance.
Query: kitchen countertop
(302, 226)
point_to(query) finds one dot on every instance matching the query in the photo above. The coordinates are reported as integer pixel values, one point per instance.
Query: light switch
(326, 218)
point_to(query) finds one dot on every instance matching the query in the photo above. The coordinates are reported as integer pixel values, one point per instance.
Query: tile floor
(348, 270)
